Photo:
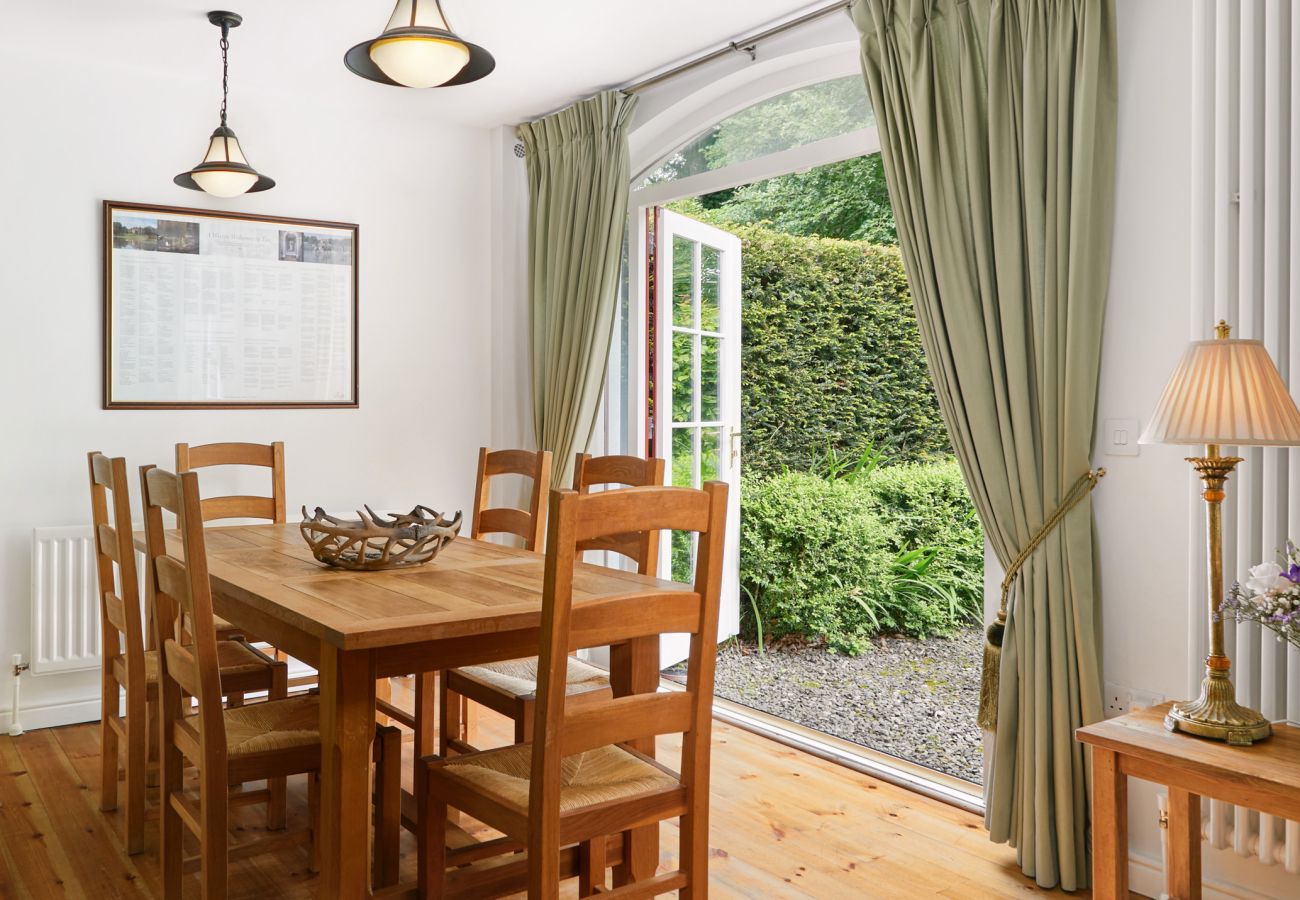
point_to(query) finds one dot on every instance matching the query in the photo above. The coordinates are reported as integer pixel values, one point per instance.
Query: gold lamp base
(1216, 714)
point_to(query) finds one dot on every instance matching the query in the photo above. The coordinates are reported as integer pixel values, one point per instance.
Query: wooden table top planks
(472, 588)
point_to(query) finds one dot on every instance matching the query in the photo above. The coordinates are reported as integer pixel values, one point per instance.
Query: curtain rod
(740, 45)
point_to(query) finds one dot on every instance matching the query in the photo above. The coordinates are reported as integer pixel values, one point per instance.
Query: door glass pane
(683, 282)
(684, 475)
(710, 269)
(710, 383)
(684, 457)
(683, 550)
(710, 453)
(683, 387)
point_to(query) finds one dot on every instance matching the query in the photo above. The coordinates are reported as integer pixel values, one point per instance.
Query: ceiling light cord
(225, 70)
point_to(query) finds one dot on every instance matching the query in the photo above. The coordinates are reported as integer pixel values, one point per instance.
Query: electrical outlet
(1118, 699)
(1145, 699)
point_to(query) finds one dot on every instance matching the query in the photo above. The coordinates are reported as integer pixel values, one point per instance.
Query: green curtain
(579, 175)
(997, 130)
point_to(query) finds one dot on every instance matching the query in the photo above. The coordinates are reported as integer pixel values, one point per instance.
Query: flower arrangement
(1271, 597)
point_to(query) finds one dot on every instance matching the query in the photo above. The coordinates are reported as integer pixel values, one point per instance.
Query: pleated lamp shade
(1225, 392)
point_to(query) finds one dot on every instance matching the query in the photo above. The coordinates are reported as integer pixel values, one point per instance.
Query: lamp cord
(225, 70)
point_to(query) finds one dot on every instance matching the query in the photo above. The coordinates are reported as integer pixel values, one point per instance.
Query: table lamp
(1224, 392)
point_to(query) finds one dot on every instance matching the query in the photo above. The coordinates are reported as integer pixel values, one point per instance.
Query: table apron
(1275, 801)
(264, 627)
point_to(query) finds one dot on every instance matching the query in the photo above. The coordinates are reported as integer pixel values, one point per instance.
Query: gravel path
(911, 698)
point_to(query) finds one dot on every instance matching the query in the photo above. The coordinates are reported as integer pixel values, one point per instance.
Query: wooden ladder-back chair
(272, 508)
(456, 715)
(579, 779)
(130, 662)
(529, 525)
(510, 687)
(228, 746)
(266, 456)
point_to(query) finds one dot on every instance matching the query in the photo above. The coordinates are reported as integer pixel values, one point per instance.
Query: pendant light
(225, 171)
(418, 49)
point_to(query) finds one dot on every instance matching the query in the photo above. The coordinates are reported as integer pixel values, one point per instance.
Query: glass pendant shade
(225, 171)
(418, 49)
(1225, 392)
(419, 62)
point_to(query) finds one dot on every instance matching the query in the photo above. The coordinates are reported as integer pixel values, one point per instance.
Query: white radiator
(65, 604)
(1245, 196)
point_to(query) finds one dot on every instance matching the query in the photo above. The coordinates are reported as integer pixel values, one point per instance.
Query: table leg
(1109, 827)
(347, 709)
(1184, 845)
(634, 669)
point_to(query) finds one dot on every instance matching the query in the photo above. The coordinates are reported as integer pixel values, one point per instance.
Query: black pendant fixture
(419, 49)
(225, 171)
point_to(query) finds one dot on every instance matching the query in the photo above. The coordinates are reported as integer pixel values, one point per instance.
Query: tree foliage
(846, 199)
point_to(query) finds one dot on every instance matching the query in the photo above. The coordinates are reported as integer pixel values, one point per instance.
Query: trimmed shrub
(896, 550)
(814, 558)
(831, 354)
(929, 507)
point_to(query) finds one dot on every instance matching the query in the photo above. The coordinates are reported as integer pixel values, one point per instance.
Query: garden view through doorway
(860, 557)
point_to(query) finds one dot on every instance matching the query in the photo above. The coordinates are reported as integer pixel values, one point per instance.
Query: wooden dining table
(477, 602)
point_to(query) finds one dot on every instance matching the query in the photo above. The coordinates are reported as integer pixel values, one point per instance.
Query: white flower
(1266, 577)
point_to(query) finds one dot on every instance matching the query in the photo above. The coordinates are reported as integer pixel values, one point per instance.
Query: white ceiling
(548, 53)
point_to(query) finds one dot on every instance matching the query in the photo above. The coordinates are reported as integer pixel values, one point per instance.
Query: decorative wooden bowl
(372, 542)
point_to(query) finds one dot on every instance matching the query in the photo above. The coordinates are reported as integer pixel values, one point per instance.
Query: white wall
(94, 126)
(1145, 507)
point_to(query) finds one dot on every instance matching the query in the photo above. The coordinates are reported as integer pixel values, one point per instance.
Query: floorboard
(784, 824)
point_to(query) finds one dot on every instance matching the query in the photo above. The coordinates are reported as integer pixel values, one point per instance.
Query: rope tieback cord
(988, 710)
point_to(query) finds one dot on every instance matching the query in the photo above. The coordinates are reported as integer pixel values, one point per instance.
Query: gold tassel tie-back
(988, 712)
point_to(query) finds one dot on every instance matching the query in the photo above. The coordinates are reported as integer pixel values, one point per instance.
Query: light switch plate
(1120, 437)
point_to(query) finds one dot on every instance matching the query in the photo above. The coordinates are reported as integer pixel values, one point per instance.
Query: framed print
(212, 310)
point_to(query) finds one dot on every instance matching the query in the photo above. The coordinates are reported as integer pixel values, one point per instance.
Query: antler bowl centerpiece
(372, 542)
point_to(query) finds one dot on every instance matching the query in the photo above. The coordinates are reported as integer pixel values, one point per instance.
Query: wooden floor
(785, 824)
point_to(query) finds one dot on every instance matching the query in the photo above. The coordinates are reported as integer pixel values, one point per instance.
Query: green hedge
(831, 354)
(829, 558)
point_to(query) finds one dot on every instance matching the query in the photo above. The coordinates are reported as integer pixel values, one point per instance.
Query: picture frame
(207, 309)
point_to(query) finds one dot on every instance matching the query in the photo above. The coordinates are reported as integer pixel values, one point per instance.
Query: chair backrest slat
(124, 630)
(265, 456)
(575, 518)
(183, 599)
(527, 524)
(626, 719)
(108, 542)
(613, 620)
(621, 471)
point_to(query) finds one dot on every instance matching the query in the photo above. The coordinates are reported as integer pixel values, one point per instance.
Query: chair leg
(313, 815)
(591, 866)
(384, 693)
(152, 738)
(214, 817)
(426, 690)
(524, 721)
(171, 776)
(277, 807)
(388, 805)
(137, 760)
(468, 720)
(432, 838)
(694, 850)
(108, 751)
(449, 710)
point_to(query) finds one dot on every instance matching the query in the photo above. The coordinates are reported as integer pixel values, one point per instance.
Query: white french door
(697, 387)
